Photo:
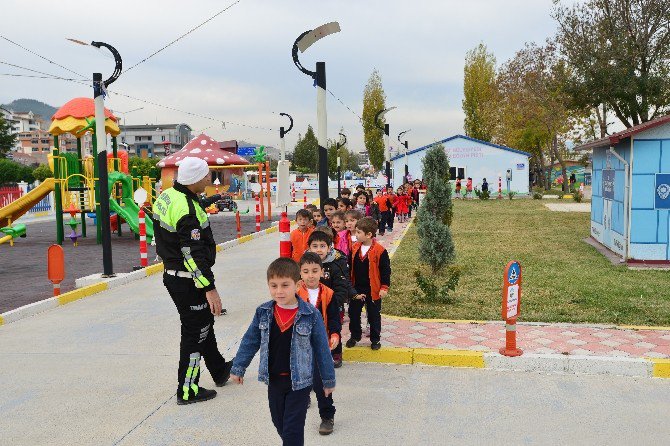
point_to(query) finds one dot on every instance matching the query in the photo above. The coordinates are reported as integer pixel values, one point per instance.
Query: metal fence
(9, 194)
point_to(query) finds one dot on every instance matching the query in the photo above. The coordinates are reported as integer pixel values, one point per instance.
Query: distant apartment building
(22, 122)
(38, 141)
(154, 140)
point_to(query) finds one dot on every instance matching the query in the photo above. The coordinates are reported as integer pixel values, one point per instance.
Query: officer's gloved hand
(206, 202)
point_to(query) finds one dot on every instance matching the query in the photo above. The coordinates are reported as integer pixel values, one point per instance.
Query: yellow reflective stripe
(200, 280)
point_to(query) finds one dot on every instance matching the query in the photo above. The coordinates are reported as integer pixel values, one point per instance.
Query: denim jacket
(309, 345)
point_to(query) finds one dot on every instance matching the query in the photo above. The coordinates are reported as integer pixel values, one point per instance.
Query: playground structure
(76, 182)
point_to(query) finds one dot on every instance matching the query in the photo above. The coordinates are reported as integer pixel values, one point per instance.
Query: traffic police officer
(185, 242)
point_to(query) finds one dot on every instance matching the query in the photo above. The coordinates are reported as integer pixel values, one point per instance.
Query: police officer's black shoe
(203, 395)
(225, 375)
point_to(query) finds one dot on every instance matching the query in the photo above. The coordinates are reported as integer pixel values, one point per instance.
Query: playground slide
(130, 209)
(19, 207)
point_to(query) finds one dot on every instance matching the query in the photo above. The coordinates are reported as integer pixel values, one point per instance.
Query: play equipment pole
(239, 224)
(117, 167)
(260, 193)
(267, 182)
(58, 199)
(284, 236)
(144, 261)
(339, 168)
(83, 184)
(258, 213)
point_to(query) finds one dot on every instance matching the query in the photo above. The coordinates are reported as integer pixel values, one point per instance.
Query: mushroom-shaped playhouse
(223, 164)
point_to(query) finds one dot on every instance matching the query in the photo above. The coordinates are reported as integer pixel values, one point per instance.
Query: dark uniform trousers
(288, 409)
(197, 334)
(373, 308)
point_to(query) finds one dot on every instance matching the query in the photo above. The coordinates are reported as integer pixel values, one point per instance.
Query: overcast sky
(238, 67)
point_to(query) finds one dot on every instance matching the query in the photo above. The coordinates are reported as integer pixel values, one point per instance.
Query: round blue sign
(514, 273)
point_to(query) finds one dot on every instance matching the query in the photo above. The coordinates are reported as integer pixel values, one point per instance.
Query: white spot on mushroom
(161, 164)
(203, 142)
(220, 161)
(196, 151)
(206, 158)
(209, 150)
(177, 163)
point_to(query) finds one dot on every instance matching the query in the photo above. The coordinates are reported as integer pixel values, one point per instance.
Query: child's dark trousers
(288, 409)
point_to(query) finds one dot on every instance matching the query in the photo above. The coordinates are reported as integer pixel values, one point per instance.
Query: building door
(607, 222)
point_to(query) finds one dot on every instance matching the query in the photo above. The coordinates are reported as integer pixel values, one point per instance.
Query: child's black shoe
(327, 425)
(376, 346)
(351, 343)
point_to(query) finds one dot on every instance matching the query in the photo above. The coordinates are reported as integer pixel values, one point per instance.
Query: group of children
(336, 261)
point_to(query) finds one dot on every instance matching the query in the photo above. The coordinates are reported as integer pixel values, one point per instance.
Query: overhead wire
(145, 101)
(42, 57)
(183, 35)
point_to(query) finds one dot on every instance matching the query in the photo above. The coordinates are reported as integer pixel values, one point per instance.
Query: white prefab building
(469, 157)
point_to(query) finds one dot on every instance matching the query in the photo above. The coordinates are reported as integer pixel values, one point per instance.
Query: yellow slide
(19, 207)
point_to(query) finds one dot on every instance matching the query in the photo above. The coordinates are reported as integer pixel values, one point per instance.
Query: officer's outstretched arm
(194, 251)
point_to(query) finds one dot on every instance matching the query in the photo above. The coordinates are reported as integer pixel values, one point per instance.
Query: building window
(456, 172)
(162, 137)
(139, 138)
(148, 138)
(35, 149)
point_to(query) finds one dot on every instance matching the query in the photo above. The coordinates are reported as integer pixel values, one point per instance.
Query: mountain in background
(46, 111)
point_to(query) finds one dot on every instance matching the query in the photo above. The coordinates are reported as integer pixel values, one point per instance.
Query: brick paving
(539, 338)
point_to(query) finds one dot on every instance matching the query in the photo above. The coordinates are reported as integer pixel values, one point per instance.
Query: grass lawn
(564, 279)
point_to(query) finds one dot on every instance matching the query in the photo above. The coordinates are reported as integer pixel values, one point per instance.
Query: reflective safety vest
(184, 239)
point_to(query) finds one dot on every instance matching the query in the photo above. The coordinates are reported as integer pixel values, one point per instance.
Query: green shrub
(537, 195)
(435, 290)
(511, 195)
(42, 172)
(577, 196)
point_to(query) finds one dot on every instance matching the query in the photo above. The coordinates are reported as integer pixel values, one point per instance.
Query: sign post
(511, 304)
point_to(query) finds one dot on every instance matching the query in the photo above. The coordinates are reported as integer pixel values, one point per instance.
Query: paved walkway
(569, 207)
(539, 338)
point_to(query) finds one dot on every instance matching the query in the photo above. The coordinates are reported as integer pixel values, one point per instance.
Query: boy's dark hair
(360, 186)
(345, 191)
(284, 267)
(303, 213)
(337, 214)
(347, 202)
(358, 194)
(321, 234)
(309, 258)
(317, 210)
(353, 213)
(367, 225)
(378, 190)
(311, 207)
(330, 202)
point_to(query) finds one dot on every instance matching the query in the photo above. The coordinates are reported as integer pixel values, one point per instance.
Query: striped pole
(144, 261)
(499, 187)
(239, 224)
(284, 236)
(258, 213)
(304, 200)
(293, 193)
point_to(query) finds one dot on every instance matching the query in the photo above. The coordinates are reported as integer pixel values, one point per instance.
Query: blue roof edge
(509, 149)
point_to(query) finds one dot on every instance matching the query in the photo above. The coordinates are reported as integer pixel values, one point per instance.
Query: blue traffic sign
(246, 151)
(514, 273)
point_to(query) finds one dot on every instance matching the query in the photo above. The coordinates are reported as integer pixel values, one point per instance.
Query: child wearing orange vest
(371, 277)
(320, 296)
(300, 235)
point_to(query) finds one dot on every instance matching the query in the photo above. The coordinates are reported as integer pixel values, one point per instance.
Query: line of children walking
(303, 321)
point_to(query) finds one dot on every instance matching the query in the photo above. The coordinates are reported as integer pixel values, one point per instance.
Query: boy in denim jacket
(291, 337)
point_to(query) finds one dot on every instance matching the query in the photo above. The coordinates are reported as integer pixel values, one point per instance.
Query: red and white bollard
(144, 261)
(345, 183)
(304, 200)
(258, 213)
(285, 248)
(293, 193)
(499, 188)
(56, 289)
(239, 224)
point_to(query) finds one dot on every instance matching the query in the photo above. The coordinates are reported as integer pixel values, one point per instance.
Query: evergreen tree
(374, 100)
(436, 246)
(7, 139)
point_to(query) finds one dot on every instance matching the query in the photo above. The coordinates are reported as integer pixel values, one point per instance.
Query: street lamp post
(304, 41)
(404, 180)
(339, 168)
(99, 91)
(283, 175)
(387, 149)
